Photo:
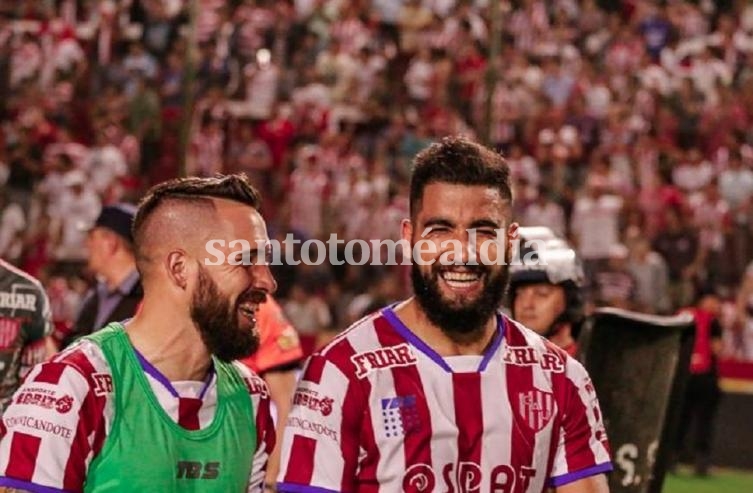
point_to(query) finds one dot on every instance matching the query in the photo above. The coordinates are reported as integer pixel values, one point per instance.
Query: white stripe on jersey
(393, 465)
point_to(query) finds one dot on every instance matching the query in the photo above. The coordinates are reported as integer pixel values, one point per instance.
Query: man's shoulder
(85, 357)
(12, 275)
(63, 383)
(359, 336)
(255, 384)
(358, 339)
(525, 346)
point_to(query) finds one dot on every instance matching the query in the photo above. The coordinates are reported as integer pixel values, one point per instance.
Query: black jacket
(84, 324)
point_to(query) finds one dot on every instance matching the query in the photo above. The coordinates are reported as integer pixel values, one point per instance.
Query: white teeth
(248, 309)
(460, 276)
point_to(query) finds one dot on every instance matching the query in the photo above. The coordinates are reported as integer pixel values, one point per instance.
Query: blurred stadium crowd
(627, 125)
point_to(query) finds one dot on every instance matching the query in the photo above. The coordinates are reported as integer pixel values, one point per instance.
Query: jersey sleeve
(320, 442)
(279, 344)
(265, 428)
(582, 447)
(49, 430)
(39, 327)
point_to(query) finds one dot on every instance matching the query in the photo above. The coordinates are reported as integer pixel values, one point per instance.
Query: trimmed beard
(219, 323)
(462, 323)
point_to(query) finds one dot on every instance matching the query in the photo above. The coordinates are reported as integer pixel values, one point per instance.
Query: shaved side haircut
(184, 207)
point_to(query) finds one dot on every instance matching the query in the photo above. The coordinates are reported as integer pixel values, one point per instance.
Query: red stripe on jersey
(469, 419)
(519, 385)
(355, 412)
(90, 417)
(314, 370)
(265, 427)
(578, 451)
(188, 412)
(418, 434)
(50, 373)
(301, 460)
(24, 450)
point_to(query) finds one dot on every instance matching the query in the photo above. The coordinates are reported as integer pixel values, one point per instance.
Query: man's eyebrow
(438, 221)
(484, 223)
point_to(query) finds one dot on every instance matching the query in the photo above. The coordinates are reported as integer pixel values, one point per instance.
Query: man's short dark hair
(194, 190)
(459, 161)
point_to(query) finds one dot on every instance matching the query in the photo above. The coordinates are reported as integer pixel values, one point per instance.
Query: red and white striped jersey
(63, 412)
(377, 410)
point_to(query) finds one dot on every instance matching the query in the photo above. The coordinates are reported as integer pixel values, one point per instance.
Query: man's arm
(265, 429)
(592, 484)
(39, 345)
(582, 453)
(321, 441)
(49, 430)
(281, 388)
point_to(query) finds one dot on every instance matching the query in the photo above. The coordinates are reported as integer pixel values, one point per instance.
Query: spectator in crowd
(25, 328)
(649, 270)
(12, 227)
(654, 102)
(702, 394)
(111, 260)
(678, 243)
(614, 284)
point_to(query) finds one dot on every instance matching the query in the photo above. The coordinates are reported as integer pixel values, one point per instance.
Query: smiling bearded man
(157, 402)
(443, 392)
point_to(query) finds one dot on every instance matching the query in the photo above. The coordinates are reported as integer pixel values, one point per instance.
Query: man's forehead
(465, 200)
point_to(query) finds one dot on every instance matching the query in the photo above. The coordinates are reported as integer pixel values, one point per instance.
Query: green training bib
(146, 451)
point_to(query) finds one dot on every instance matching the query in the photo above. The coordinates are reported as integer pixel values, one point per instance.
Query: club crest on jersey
(386, 357)
(528, 356)
(536, 408)
(400, 415)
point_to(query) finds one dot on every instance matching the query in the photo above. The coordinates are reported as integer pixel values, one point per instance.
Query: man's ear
(176, 265)
(513, 235)
(406, 235)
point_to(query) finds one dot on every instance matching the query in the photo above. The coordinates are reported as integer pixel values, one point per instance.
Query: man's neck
(170, 342)
(413, 316)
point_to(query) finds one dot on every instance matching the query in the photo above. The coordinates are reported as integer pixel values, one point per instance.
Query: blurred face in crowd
(537, 305)
(101, 244)
(460, 298)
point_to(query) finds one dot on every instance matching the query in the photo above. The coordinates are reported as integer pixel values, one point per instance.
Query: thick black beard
(462, 324)
(219, 324)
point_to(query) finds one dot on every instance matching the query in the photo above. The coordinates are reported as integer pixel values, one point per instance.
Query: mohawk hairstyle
(194, 190)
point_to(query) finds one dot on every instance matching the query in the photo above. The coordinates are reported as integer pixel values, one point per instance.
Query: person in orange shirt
(277, 361)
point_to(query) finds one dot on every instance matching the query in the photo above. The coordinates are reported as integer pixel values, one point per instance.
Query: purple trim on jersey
(409, 336)
(301, 488)
(416, 341)
(157, 375)
(496, 342)
(208, 382)
(583, 473)
(17, 484)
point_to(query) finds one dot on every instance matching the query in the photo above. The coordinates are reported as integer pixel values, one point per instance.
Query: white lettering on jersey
(379, 359)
